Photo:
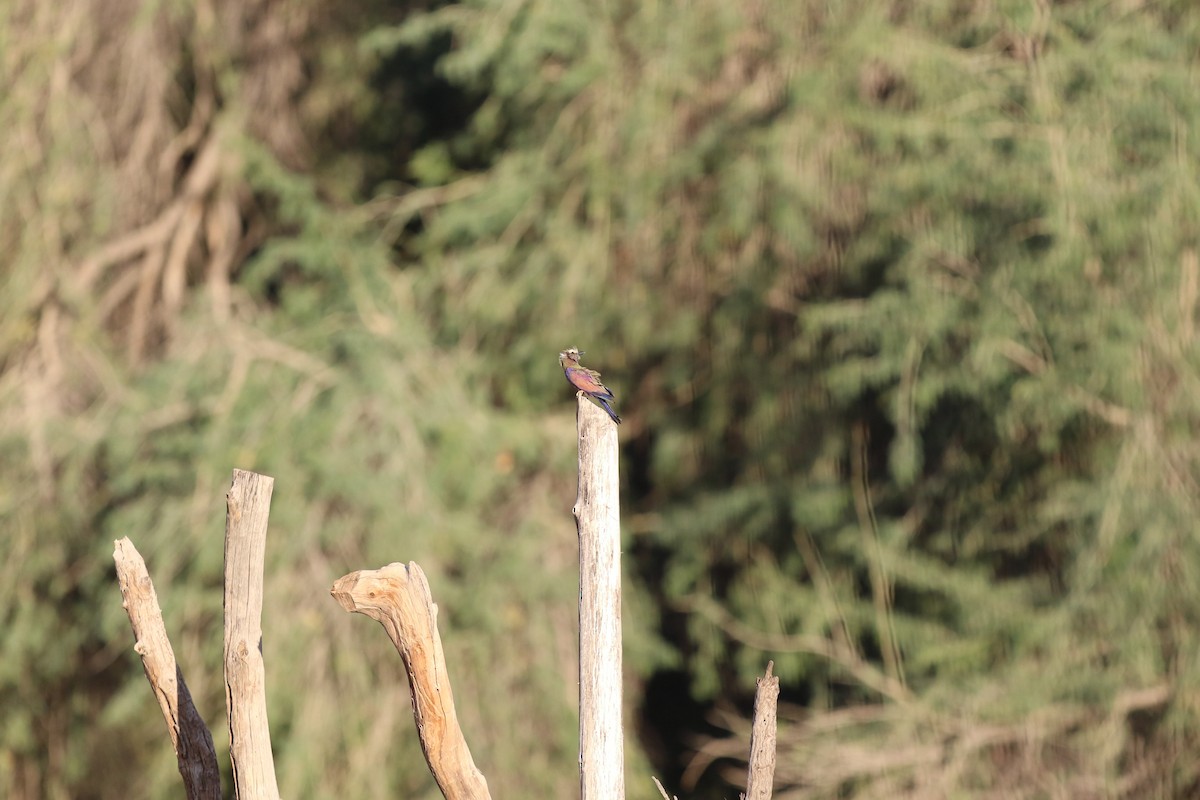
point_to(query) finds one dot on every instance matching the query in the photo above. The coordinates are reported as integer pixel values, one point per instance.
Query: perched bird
(586, 380)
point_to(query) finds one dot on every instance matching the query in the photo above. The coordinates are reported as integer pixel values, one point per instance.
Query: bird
(586, 380)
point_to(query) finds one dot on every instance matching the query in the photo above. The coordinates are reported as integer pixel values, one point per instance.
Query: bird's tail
(608, 408)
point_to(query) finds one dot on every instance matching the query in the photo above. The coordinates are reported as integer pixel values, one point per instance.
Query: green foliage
(898, 300)
(897, 284)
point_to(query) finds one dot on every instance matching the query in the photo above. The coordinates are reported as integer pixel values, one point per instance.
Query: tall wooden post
(598, 519)
(248, 504)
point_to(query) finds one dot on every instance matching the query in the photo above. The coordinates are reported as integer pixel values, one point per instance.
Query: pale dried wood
(663, 791)
(598, 520)
(190, 737)
(248, 505)
(398, 597)
(761, 775)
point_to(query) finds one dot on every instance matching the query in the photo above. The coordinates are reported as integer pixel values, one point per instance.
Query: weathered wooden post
(598, 520)
(248, 504)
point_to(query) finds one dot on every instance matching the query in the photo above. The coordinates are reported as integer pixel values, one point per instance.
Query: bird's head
(569, 357)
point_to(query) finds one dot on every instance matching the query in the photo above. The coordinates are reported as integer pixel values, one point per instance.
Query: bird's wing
(587, 380)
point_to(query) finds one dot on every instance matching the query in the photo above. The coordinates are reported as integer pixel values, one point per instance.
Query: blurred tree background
(899, 301)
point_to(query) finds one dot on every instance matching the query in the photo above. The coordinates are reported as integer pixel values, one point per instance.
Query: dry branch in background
(663, 791)
(190, 737)
(398, 597)
(116, 98)
(761, 775)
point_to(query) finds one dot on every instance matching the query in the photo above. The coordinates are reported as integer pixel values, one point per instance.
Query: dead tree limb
(190, 737)
(598, 520)
(248, 505)
(762, 738)
(398, 597)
